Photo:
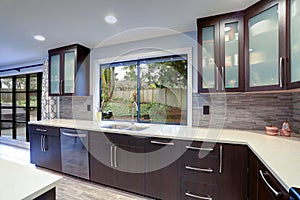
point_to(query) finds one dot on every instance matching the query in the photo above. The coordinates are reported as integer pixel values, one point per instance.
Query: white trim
(188, 51)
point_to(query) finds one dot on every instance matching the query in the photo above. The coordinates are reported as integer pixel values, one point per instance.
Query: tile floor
(70, 188)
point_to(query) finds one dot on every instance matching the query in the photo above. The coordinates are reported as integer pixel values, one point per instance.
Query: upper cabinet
(251, 50)
(221, 53)
(265, 46)
(69, 71)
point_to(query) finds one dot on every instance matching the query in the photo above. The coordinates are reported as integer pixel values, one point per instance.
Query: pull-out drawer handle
(41, 130)
(162, 143)
(268, 185)
(200, 149)
(199, 169)
(197, 197)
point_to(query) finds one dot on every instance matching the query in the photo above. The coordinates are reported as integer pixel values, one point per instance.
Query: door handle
(217, 79)
(280, 71)
(223, 78)
(45, 143)
(200, 149)
(73, 134)
(221, 159)
(111, 156)
(41, 130)
(42, 142)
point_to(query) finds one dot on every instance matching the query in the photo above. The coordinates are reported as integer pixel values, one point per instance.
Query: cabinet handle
(45, 143)
(41, 130)
(42, 143)
(111, 156)
(217, 79)
(223, 78)
(221, 159)
(197, 197)
(280, 71)
(200, 149)
(162, 143)
(269, 186)
(115, 152)
(199, 169)
(61, 87)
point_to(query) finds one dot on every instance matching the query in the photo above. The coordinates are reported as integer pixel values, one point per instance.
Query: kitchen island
(25, 182)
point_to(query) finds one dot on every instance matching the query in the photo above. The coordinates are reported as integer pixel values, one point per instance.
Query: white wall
(132, 50)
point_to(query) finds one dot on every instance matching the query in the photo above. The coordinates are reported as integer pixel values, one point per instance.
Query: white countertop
(281, 155)
(24, 182)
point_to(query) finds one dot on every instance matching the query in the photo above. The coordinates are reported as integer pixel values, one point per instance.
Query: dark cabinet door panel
(194, 190)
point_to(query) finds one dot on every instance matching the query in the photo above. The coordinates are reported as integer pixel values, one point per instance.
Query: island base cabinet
(50, 195)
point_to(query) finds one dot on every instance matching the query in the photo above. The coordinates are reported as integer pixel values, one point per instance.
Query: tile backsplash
(248, 111)
(76, 107)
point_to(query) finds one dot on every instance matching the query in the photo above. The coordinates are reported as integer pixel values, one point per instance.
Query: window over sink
(152, 90)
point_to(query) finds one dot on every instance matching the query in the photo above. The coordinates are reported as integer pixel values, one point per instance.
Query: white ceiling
(64, 22)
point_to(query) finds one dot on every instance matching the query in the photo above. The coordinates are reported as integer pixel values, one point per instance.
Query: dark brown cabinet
(232, 176)
(45, 147)
(163, 168)
(221, 53)
(69, 71)
(262, 184)
(118, 161)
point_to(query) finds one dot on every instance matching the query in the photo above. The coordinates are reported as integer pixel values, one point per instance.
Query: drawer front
(193, 190)
(203, 149)
(43, 130)
(199, 169)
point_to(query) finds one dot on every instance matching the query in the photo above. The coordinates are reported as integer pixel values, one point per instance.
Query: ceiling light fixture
(111, 19)
(39, 38)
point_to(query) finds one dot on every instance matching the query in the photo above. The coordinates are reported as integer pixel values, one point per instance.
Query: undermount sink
(131, 127)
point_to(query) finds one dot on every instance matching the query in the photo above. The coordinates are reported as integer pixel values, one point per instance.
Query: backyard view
(157, 86)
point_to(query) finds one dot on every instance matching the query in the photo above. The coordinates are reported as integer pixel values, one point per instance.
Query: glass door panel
(21, 99)
(294, 40)
(208, 57)
(21, 84)
(231, 60)
(69, 72)
(263, 48)
(55, 74)
(6, 85)
(21, 131)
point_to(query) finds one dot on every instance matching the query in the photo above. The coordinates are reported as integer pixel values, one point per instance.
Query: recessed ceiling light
(39, 38)
(111, 19)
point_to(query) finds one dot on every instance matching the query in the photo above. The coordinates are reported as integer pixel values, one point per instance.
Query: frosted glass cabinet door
(263, 48)
(55, 74)
(231, 60)
(294, 40)
(208, 58)
(69, 72)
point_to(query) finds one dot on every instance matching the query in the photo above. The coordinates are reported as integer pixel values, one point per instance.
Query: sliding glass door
(20, 102)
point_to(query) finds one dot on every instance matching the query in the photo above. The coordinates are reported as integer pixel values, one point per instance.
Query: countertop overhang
(281, 155)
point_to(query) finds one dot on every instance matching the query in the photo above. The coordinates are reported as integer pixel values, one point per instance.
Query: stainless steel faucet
(134, 105)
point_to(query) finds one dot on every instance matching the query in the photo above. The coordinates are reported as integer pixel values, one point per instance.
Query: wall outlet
(205, 110)
(88, 107)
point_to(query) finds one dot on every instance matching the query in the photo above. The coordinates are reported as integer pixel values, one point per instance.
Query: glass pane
(6, 85)
(21, 131)
(69, 75)
(55, 74)
(33, 82)
(21, 114)
(263, 48)
(295, 42)
(6, 129)
(119, 91)
(21, 99)
(6, 99)
(231, 55)
(21, 84)
(208, 57)
(33, 114)
(163, 92)
(33, 99)
(6, 114)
